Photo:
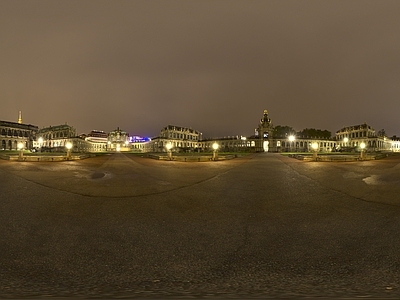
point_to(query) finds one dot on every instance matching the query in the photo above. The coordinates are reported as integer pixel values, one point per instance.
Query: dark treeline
(285, 131)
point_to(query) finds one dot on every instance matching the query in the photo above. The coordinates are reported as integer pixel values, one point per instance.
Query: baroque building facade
(97, 140)
(180, 138)
(118, 140)
(14, 133)
(352, 136)
(55, 138)
(186, 139)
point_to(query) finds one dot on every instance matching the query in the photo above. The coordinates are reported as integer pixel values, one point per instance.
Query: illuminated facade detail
(264, 133)
(97, 141)
(54, 138)
(184, 139)
(351, 137)
(181, 139)
(118, 140)
(138, 143)
(13, 133)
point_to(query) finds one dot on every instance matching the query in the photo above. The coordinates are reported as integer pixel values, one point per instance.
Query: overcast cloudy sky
(210, 65)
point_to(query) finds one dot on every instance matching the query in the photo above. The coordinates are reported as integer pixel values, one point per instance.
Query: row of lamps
(314, 147)
(215, 147)
(20, 147)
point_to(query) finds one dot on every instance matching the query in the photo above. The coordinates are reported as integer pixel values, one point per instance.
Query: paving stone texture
(261, 226)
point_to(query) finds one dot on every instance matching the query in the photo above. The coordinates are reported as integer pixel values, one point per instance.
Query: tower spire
(20, 117)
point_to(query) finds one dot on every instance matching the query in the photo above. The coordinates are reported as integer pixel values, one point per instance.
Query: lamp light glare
(314, 146)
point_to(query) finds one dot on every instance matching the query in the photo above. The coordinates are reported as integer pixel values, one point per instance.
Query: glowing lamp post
(20, 148)
(345, 140)
(215, 147)
(362, 146)
(314, 147)
(168, 146)
(291, 140)
(40, 140)
(68, 145)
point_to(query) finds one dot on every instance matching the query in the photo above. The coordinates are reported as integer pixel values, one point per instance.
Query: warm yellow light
(68, 145)
(291, 138)
(40, 140)
(362, 145)
(168, 146)
(215, 146)
(345, 140)
(20, 146)
(314, 146)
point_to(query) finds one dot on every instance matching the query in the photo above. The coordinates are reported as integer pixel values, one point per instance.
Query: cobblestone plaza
(260, 226)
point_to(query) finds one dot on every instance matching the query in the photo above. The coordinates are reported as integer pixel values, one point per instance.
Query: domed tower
(265, 133)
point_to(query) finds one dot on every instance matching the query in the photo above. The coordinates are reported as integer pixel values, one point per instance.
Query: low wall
(32, 158)
(189, 158)
(337, 158)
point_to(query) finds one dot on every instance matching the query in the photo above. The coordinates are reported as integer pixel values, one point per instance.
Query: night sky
(213, 66)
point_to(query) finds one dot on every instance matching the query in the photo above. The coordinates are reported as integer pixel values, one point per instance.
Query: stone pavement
(261, 226)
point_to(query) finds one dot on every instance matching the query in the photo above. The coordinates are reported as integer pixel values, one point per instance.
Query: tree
(283, 131)
(314, 133)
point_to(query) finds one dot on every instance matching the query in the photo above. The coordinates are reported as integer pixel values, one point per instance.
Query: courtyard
(259, 226)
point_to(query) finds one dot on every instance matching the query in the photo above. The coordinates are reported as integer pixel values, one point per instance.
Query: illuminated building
(54, 138)
(352, 136)
(13, 133)
(181, 139)
(138, 143)
(118, 140)
(97, 141)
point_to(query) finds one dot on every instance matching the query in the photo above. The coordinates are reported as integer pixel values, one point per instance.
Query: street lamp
(345, 140)
(40, 140)
(215, 147)
(362, 146)
(168, 146)
(20, 148)
(314, 146)
(68, 145)
(291, 140)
